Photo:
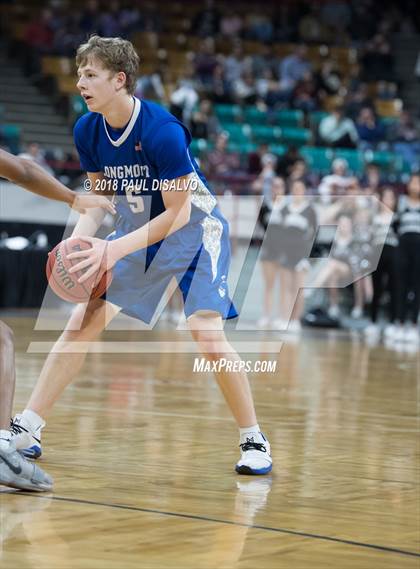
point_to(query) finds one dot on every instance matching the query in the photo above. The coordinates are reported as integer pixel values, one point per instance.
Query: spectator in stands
(234, 64)
(377, 60)
(263, 183)
(245, 90)
(386, 90)
(204, 123)
(231, 25)
(34, 153)
(207, 22)
(336, 183)
(205, 61)
(328, 79)
(406, 137)
(150, 86)
(217, 88)
(357, 99)
(109, 21)
(372, 178)
(311, 29)
(294, 67)
(337, 130)
(305, 94)
(220, 162)
(184, 99)
(255, 159)
(89, 19)
(39, 34)
(288, 160)
(371, 132)
(259, 27)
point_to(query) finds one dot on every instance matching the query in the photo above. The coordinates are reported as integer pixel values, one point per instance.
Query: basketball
(65, 284)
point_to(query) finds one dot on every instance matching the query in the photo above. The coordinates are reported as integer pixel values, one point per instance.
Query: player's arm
(33, 178)
(89, 222)
(176, 215)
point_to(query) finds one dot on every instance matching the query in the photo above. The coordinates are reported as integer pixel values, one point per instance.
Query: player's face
(98, 86)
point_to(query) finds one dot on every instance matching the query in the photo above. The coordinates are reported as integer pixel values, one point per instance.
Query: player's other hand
(97, 260)
(83, 202)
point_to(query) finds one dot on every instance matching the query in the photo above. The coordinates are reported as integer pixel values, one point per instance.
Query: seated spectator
(386, 91)
(36, 154)
(294, 67)
(184, 99)
(231, 25)
(234, 64)
(221, 162)
(255, 159)
(218, 89)
(263, 183)
(336, 183)
(372, 178)
(337, 130)
(305, 94)
(245, 90)
(371, 132)
(377, 60)
(328, 79)
(204, 123)
(205, 61)
(406, 138)
(288, 160)
(150, 86)
(357, 99)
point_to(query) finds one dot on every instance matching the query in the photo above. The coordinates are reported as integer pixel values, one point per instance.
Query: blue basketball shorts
(197, 255)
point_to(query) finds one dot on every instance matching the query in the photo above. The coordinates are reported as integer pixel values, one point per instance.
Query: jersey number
(136, 202)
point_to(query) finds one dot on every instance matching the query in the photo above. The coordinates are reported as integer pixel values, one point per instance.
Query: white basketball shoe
(255, 455)
(26, 440)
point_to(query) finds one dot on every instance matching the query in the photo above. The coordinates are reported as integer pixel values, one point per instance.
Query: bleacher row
(250, 126)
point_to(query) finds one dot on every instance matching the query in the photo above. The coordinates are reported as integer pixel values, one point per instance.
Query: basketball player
(16, 471)
(130, 145)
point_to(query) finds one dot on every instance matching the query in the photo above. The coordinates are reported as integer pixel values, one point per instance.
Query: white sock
(33, 420)
(253, 430)
(4, 439)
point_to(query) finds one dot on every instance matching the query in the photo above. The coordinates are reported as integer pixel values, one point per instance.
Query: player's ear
(120, 80)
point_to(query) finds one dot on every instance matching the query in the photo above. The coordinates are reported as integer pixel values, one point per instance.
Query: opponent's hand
(97, 260)
(83, 202)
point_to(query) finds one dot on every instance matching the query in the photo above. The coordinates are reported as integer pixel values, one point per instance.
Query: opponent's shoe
(27, 441)
(17, 472)
(255, 455)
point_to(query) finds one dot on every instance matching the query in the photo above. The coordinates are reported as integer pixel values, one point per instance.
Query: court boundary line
(299, 533)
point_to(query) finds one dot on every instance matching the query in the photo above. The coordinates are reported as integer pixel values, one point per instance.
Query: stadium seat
(278, 149)
(265, 133)
(296, 136)
(318, 159)
(242, 147)
(253, 115)
(226, 113)
(237, 132)
(383, 158)
(289, 117)
(355, 159)
(78, 106)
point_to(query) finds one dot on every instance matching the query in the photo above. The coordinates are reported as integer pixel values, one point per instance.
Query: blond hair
(115, 54)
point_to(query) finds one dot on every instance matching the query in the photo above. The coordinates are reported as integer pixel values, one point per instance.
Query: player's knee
(6, 335)
(212, 344)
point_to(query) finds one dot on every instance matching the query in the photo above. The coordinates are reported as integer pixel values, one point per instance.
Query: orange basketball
(65, 284)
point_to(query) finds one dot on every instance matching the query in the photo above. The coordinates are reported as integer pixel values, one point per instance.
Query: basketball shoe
(17, 472)
(255, 455)
(25, 438)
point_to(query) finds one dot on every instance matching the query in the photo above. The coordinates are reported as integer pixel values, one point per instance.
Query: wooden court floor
(143, 451)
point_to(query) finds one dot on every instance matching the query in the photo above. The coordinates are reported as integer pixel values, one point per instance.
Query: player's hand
(83, 202)
(97, 260)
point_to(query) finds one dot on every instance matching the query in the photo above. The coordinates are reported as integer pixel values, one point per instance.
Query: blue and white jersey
(150, 151)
